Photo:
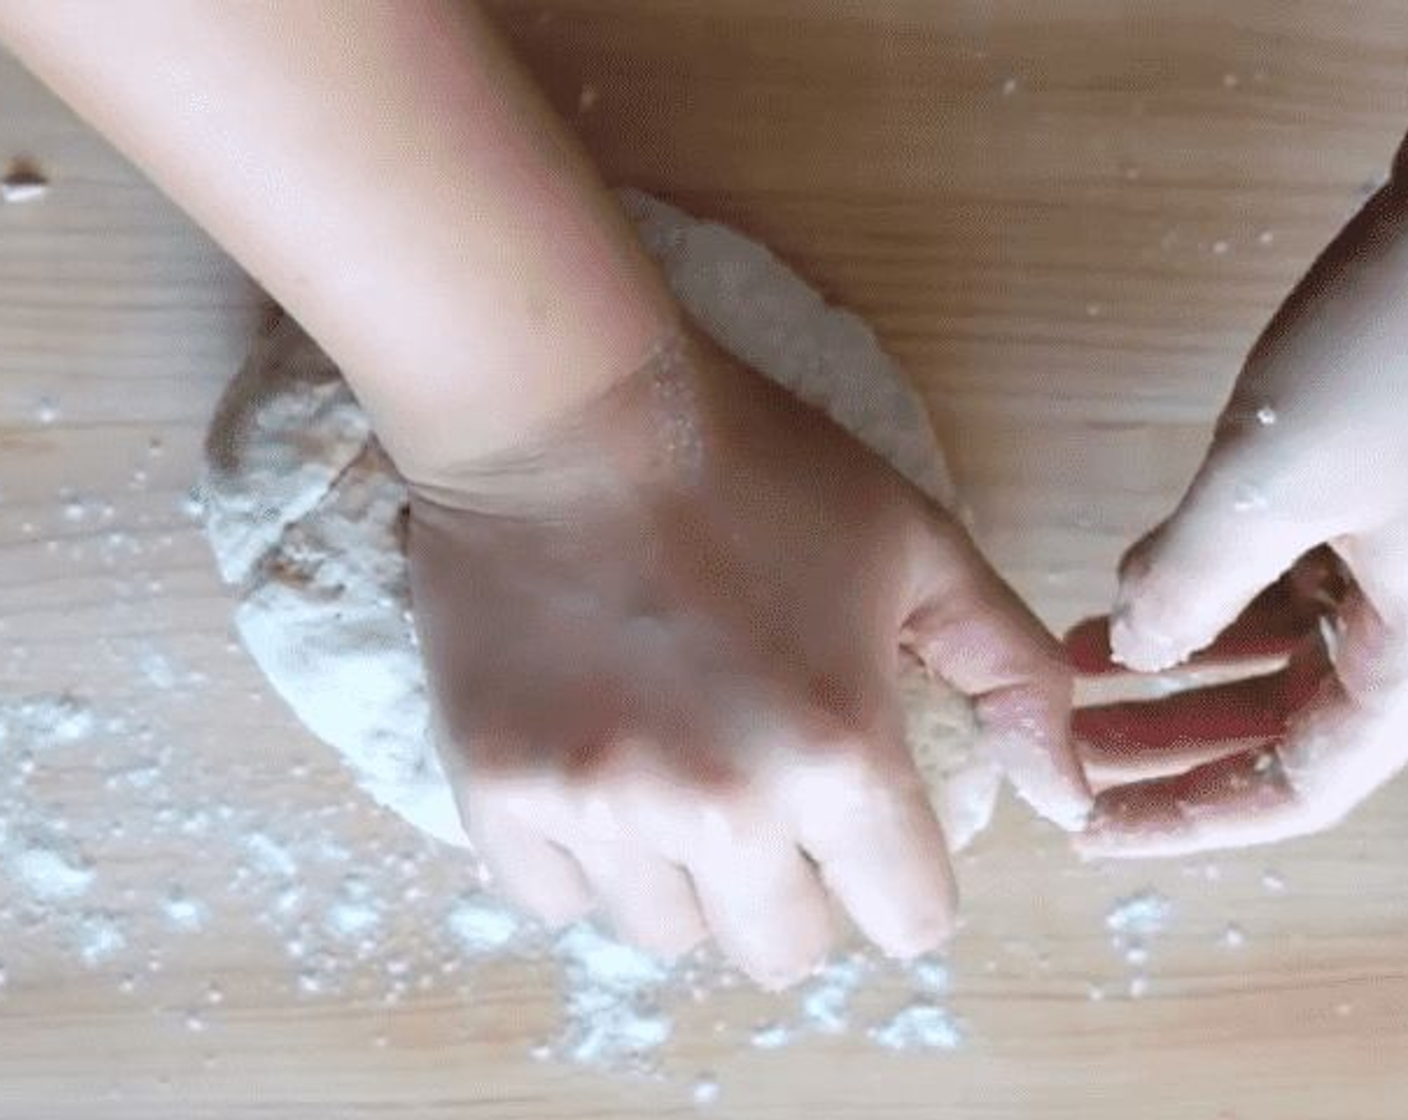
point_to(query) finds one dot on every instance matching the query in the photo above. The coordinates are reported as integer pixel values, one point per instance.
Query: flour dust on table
(304, 511)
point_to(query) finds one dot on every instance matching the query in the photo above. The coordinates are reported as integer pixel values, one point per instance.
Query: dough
(304, 510)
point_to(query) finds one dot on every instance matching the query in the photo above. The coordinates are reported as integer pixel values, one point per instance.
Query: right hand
(1312, 449)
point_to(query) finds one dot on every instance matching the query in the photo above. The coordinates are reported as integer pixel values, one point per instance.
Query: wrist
(643, 435)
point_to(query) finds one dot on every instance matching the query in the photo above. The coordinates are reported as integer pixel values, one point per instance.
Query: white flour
(922, 1025)
(1133, 921)
(1141, 915)
(303, 511)
(356, 919)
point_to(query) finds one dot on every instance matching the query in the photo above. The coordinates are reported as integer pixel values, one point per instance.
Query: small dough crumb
(23, 183)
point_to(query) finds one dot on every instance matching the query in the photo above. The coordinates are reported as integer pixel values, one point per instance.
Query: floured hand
(1311, 450)
(663, 647)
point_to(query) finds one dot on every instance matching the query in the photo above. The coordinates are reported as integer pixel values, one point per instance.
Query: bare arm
(389, 174)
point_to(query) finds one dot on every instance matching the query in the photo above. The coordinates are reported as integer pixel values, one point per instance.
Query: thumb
(1232, 535)
(971, 630)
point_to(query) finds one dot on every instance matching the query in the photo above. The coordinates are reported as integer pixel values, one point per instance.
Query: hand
(1312, 449)
(663, 647)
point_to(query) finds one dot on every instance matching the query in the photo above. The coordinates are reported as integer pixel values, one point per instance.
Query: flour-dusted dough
(305, 513)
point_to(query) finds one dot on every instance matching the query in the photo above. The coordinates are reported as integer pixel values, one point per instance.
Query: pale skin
(1307, 475)
(662, 603)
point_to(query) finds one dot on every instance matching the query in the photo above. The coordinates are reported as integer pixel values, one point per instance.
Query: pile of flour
(304, 512)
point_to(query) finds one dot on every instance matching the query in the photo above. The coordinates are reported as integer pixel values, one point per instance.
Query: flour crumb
(771, 1036)
(825, 1001)
(481, 924)
(705, 1090)
(612, 992)
(99, 938)
(349, 919)
(929, 973)
(922, 1025)
(184, 913)
(269, 856)
(1142, 914)
(46, 719)
(50, 876)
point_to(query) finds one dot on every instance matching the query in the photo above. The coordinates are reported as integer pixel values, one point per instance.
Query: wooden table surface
(1067, 220)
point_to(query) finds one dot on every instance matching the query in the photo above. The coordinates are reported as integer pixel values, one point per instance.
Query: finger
(1271, 626)
(881, 851)
(528, 868)
(1343, 745)
(1135, 741)
(1233, 802)
(762, 900)
(650, 902)
(1189, 579)
(973, 631)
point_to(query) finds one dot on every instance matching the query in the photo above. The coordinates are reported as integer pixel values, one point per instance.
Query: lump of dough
(304, 512)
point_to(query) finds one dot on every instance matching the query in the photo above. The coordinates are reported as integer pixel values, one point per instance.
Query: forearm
(389, 174)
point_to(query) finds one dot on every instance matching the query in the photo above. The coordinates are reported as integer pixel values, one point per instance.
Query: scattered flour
(826, 1000)
(772, 1036)
(183, 912)
(45, 720)
(1132, 920)
(270, 856)
(303, 511)
(50, 875)
(704, 1091)
(1141, 914)
(612, 993)
(99, 938)
(480, 924)
(350, 920)
(353, 918)
(922, 1025)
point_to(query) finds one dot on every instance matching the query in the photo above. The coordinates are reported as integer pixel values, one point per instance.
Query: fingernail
(924, 937)
(779, 978)
(1143, 649)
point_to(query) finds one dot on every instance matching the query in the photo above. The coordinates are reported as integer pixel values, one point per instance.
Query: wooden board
(1067, 220)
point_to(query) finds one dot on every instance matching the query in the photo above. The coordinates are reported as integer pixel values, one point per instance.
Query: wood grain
(1068, 221)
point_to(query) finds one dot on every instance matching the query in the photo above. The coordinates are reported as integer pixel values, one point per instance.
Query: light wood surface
(1068, 220)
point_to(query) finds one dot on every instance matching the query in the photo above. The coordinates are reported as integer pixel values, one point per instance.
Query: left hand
(663, 645)
(1307, 475)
